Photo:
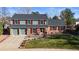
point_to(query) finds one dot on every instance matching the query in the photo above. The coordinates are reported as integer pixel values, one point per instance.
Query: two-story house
(24, 24)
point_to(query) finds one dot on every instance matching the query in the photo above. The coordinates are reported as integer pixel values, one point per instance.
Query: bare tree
(4, 13)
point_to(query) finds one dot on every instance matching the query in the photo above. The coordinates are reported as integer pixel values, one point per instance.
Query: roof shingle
(29, 16)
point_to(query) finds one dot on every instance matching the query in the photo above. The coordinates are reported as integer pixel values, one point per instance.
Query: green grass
(1, 28)
(44, 43)
(58, 41)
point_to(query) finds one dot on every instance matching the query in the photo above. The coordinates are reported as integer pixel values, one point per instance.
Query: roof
(56, 22)
(29, 16)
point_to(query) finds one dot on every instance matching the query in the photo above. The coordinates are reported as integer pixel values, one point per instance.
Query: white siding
(22, 31)
(35, 22)
(22, 22)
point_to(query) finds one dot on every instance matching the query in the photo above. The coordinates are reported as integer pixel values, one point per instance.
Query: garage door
(22, 31)
(15, 32)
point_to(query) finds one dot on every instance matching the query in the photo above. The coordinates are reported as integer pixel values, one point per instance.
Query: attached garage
(18, 31)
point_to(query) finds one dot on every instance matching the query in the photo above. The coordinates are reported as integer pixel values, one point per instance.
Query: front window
(35, 22)
(15, 21)
(59, 27)
(54, 27)
(41, 22)
(22, 22)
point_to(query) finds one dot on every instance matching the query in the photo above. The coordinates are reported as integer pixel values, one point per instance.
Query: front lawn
(56, 41)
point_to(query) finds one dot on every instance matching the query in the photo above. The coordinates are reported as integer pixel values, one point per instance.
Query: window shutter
(18, 31)
(26, 31)
(26, 21)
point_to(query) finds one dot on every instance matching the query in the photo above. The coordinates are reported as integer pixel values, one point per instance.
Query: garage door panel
(15, 32)
(22, 31)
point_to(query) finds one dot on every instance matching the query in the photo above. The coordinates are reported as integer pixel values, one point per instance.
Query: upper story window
(15, 21)
(23, 22)
(35, 22)
(41, 22)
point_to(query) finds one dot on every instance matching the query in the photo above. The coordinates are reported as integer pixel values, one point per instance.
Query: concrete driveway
(11, 43)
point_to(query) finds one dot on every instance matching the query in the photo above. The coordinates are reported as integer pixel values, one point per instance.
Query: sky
(50, 11)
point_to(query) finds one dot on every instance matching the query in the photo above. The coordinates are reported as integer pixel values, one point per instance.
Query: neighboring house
(24, 24)
(56, 25)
